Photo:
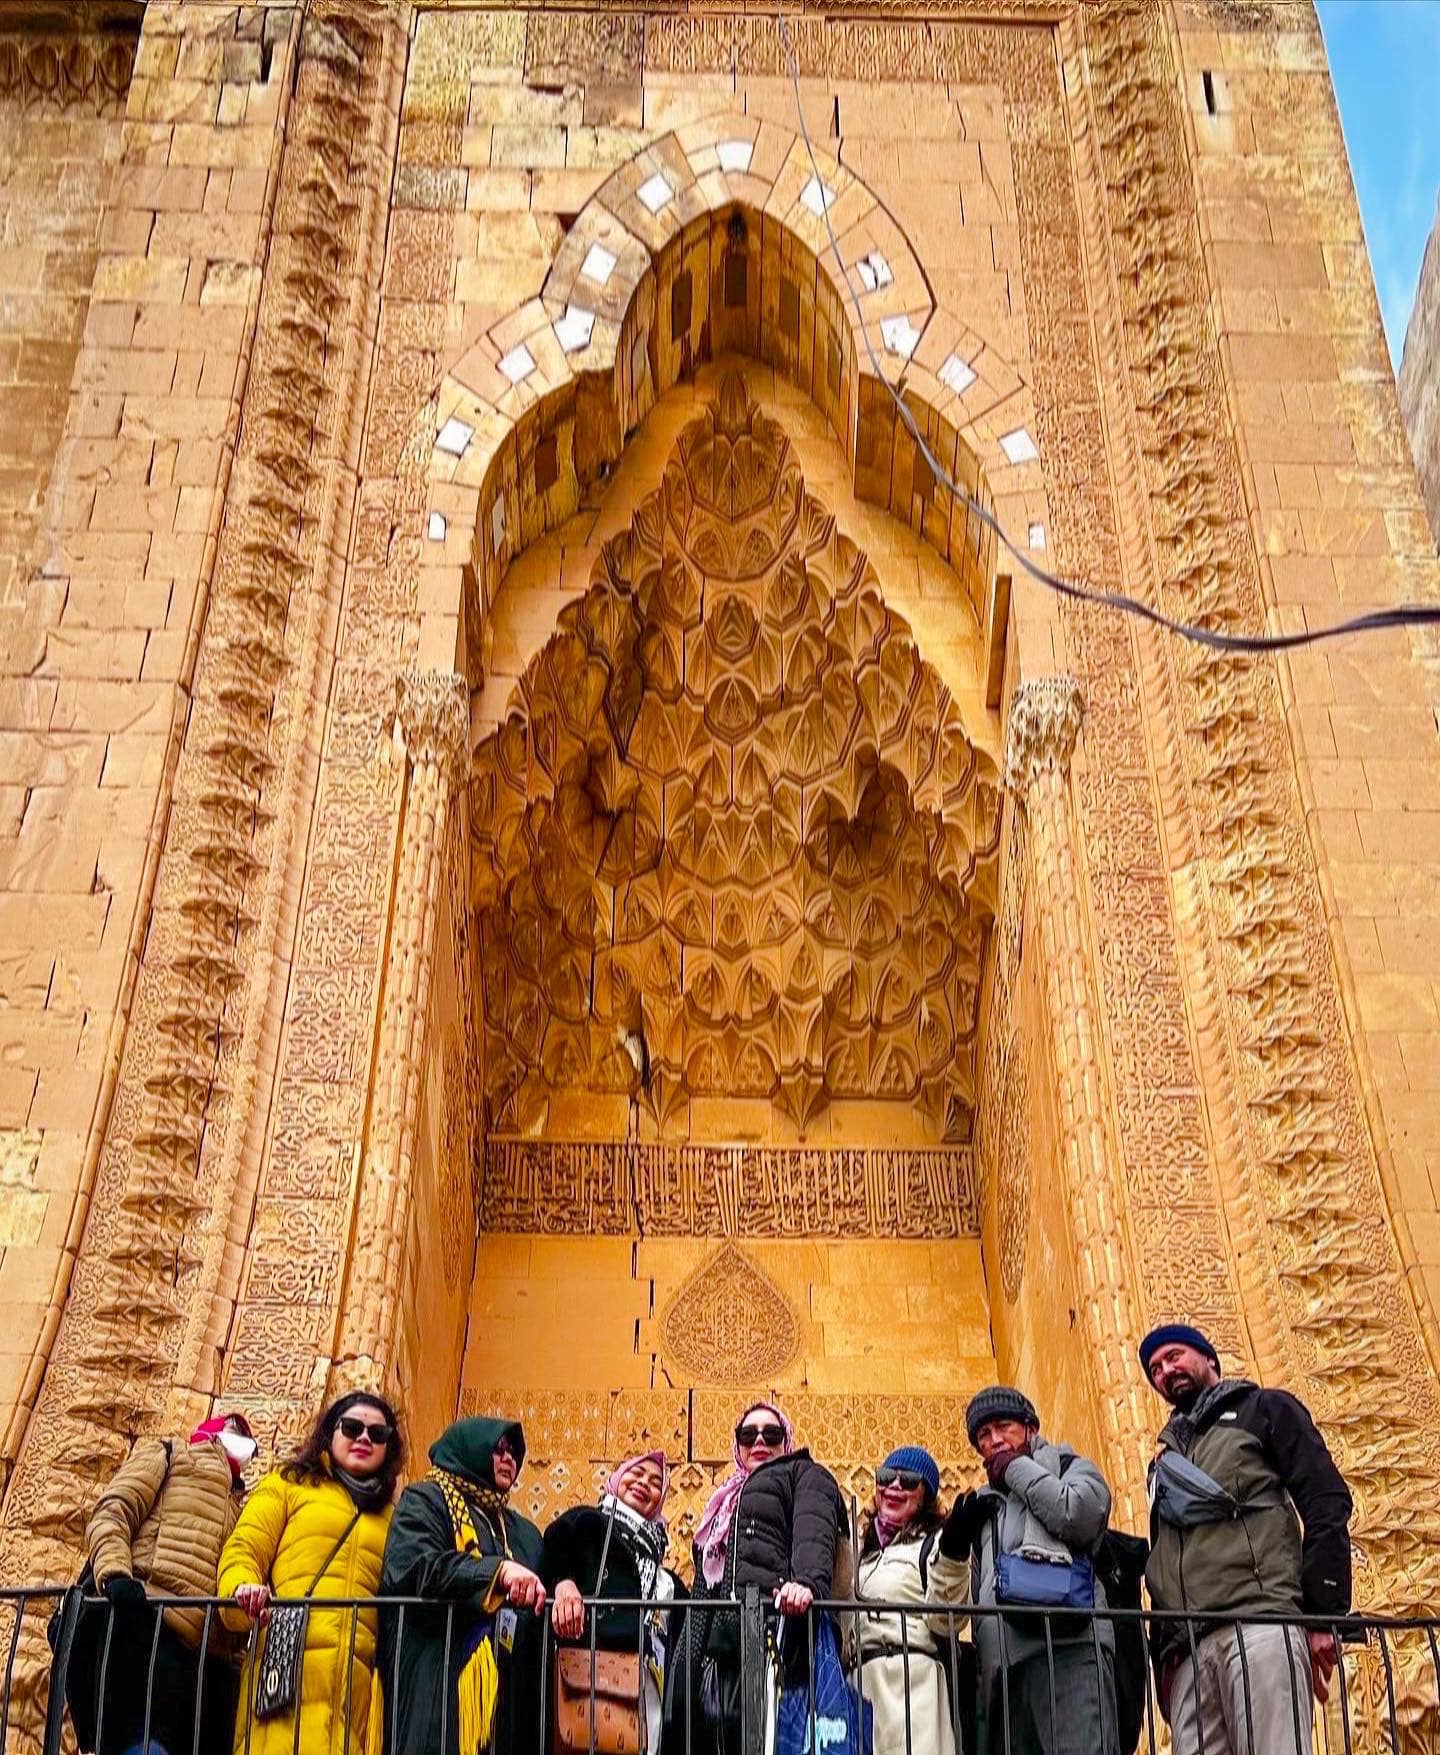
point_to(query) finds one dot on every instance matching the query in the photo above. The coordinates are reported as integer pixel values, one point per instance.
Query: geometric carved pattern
(1322, 1258)
(589, 1188)
(729, 1322)
(732, 814)
(54, 72)
(1013, 1193)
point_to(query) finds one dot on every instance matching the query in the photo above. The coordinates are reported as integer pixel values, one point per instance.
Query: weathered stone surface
(1419, 379)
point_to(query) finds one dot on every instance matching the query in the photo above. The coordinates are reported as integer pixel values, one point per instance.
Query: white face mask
(238, 1447)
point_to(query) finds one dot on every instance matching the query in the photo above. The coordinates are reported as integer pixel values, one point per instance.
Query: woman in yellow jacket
(317, 1528)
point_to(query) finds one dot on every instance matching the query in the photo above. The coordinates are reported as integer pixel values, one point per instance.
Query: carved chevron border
(1349, 1335)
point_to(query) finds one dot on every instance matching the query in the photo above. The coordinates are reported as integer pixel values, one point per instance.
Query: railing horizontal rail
(1382, 1696)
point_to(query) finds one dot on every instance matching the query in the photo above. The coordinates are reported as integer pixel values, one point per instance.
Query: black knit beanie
(999, 1403)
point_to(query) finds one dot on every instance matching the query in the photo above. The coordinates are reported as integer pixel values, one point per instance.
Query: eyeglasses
(352, 1428)
(906, 1478)
(747, 1437)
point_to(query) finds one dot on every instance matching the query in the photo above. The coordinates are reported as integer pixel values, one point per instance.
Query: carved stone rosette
(1045, 720)
(433, 715)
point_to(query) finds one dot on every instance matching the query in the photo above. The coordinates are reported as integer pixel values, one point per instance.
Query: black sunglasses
(352, 1428)
(748, 1436)
(906, 1478)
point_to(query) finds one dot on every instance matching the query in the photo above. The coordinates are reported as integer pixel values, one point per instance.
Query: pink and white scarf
(712, 1537)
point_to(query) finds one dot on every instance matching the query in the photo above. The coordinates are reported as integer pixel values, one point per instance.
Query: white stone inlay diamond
(574, 328)
(874, 271)
(454, 437)
(1037, 536)
(654, 192)
(1018, 446)
(899, 335)
(817, 196)
(435, 529)
(735, 155)
(518, 364)
(599, 264)
(957, 374)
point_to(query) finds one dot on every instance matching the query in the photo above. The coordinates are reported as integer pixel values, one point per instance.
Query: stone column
(433, 711)
(1045, 719)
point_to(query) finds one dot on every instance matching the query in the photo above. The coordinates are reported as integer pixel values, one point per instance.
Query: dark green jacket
(421, 1560)
(1289, 1552)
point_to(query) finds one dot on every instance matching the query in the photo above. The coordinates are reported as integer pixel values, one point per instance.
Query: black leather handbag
(283, 1655)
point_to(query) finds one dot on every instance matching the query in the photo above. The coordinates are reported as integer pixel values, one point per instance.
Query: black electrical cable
(1401, 616)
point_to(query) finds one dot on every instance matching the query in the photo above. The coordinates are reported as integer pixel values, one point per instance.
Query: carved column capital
(1045, 719)
(433, 707)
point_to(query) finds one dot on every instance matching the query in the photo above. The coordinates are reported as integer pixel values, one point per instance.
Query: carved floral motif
(729, 1322)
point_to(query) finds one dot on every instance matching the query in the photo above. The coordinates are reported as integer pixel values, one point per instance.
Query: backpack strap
(925, 1549)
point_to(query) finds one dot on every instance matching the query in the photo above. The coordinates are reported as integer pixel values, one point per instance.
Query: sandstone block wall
(130, 223)
(1419, 380)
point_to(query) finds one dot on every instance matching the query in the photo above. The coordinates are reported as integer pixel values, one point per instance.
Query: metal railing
(950, 1676)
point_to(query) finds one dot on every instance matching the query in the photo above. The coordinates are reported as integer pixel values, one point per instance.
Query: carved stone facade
(541, 787)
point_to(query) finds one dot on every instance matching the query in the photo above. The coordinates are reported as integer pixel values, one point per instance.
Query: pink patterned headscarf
(712, 1537)
(618, 1474)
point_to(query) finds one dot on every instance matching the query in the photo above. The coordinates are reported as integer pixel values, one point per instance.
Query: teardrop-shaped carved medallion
(729, 1322)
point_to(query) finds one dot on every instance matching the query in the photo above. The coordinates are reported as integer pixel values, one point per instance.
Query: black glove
(961, 1529)
(125, 1592)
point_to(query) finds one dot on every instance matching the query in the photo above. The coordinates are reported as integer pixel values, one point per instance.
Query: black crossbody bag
(284, 1654)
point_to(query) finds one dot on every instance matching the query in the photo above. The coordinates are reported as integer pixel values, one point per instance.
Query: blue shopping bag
(843, 1724)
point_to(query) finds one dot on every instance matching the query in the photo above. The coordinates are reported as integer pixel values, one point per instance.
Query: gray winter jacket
(1073, 1506)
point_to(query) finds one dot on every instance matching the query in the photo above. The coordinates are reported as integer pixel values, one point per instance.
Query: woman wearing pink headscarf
(776, 1521)
(626, 1529)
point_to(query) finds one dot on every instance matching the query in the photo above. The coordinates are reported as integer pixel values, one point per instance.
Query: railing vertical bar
(1100, 1675)
(860, 1660)
(445, 1672)
(951, 1680)
(252, 1666)
(299, 1681)
(150, 1679)
(1005, 1678)
(905, 1665)
(692, 1633)
(594, 1619)
(810, 1615)
(1150, 1702)
(395, 1679)
(199, 1678)
(1245, 1685)
(10, 1670)
(103, 1678)
(545, 1668)
(350, 1680)
(1302, 1744)
(1050, 1674)
(1345, 1688)
(1195, 1671)
(1389, 1691)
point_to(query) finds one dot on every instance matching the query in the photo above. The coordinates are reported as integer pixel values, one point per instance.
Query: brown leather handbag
(616, 1695)
(611, 1693)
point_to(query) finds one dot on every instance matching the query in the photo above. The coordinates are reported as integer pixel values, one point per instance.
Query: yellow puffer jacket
(284, 1533)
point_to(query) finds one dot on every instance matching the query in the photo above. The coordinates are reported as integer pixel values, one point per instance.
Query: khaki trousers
(1226, 1705)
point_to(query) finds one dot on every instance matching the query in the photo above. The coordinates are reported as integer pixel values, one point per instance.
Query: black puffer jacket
(787, 1526)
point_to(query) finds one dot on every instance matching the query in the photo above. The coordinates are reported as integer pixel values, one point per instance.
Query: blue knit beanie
(917, 1461)
(1175, 1334)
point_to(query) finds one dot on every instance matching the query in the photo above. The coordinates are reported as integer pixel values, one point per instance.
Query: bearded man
(1249, 1517)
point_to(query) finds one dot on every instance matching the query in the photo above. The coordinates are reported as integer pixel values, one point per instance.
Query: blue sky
(1385, 59)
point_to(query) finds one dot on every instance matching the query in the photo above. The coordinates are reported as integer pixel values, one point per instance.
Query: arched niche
(734, 839)
(713, 240)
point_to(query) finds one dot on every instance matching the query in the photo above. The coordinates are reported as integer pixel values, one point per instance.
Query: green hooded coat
(421, 1560)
